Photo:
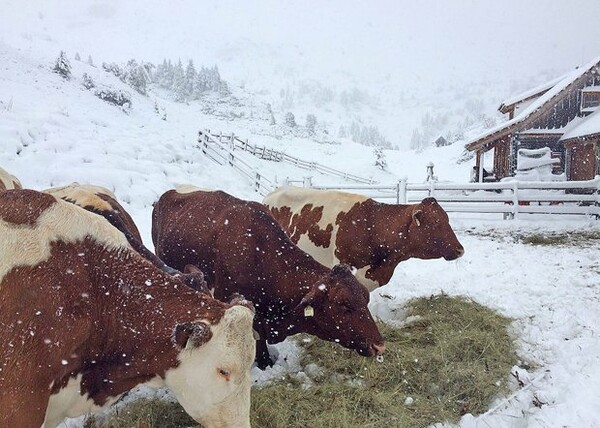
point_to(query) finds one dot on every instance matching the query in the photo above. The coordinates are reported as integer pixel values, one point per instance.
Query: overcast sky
(428, 40)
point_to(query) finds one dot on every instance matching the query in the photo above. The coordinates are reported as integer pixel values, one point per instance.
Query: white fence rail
(508, 198)
(223, 156)
(265, 153)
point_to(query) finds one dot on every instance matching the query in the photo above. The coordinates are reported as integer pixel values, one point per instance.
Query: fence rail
(221, 155)
(507, 198)
(235, 143)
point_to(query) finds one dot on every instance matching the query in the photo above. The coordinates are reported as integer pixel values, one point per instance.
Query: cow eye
(224, 373)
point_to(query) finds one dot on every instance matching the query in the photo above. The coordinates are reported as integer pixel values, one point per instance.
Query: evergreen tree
(77, 57)
(179, 83)
(63, 66)
(290, 120)
(311, 122)
(90, 61)
(190, 78)
(380, 160)
(342, 132)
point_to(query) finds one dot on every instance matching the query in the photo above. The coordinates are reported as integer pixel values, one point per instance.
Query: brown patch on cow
(241, 249)
(23, 206)
(304, 223)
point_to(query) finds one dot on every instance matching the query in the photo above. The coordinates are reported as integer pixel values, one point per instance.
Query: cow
(241, 249)
(99, 200)
(85, 318)
(338, 227)
(8, 181)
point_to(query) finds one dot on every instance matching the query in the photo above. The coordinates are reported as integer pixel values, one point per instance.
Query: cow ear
(417, 217)
(191, 335)
(314, 295)
(191, 269)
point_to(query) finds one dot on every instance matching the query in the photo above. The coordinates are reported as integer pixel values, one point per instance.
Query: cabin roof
(589, 127)
(531, 93)
(531, 112)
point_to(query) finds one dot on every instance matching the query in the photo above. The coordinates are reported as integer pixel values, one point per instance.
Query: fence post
(307, 181)
(401, 196)
(232, 145)
(231, 159)
(257, 182)
(515, 189)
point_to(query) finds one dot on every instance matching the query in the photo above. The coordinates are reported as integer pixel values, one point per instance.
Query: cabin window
(590, 98)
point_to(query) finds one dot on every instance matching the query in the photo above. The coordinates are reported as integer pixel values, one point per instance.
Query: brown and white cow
(8, 181)
(99, 200)
(241, 249)
(84, 318)
(337, 227)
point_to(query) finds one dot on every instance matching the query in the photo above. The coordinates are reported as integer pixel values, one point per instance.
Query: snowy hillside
(54, 131)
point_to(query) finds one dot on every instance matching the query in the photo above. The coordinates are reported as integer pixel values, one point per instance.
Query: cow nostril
(461, 252)
(379, 349)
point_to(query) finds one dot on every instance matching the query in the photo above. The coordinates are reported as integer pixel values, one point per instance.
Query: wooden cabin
(561, 115)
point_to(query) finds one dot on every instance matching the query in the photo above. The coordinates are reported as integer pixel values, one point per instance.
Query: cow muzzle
(377, 350)
(456, 255)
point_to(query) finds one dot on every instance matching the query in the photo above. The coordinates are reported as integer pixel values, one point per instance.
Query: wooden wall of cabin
(501, 159)
(583, 164)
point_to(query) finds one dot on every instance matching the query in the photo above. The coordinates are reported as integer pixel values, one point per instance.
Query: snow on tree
(90, 61)
(311, 122)
(190, 78)
(342, 132)
(179, 83)
(77, 57)
(290, 119)
(88, 83)
(135, 76)
(380, 160)
(417, 142)
(62, 66)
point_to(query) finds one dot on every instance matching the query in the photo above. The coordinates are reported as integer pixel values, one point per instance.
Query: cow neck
(139, 320)
(391, 226)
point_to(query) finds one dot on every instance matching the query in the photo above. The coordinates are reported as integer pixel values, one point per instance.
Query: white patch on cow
(83, 195)
(69, 403)
(30, 245)
(361, 277)
(8, 181)
(190, 188)
(333, 203)
(212, 382)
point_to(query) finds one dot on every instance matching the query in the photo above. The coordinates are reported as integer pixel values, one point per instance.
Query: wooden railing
(508, 198)
(265, 153)
(223, 156)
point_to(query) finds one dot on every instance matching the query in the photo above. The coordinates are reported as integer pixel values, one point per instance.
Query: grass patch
(144, 413)
(557, 239)
(454, 358)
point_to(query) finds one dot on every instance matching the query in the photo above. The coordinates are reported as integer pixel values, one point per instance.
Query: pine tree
(90, 61)
(190, 78)
(77, 57)
(179, 83)
(380, 160)
(63, 66)
(311, 122)
(290, 120)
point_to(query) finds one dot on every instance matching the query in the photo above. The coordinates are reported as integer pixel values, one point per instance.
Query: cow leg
(263, 359)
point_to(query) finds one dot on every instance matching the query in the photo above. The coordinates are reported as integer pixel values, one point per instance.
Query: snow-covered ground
(53, 132)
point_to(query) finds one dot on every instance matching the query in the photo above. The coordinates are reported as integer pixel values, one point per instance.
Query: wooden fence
(507, 198)
(223, 156)
(265, 153)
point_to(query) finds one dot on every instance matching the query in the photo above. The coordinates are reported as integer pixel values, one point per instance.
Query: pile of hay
(454, 358)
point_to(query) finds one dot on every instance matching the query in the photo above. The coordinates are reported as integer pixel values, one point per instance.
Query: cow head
(430, 234)
(336, 309)
(212, 381)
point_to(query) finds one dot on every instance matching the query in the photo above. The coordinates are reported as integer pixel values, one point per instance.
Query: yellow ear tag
(309, 311)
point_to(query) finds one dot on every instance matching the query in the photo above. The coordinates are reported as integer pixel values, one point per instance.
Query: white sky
(408, 40)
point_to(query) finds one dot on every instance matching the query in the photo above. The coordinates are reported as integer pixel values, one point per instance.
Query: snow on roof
(531, 92)
(588, 126)
(591, 89)
(533, 107)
